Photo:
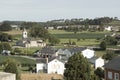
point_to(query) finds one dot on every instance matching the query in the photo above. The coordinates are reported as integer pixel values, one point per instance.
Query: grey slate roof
(114, 64)
(47, 50)
(92, 60)
(43, 60)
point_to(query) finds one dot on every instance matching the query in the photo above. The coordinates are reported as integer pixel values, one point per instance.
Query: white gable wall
(99, 63)
(88, 53)
(55, 66)
(40, 66)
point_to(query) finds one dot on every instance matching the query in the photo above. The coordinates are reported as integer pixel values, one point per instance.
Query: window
(109, 75)
(116, 76)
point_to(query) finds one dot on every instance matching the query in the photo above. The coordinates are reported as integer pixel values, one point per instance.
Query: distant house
(15, 27)
(7, 76)
(68, 52)
(50, 27)
(112, 69)
(50, 65)
(109, 28)
(5, 52)
(97, 62)
(88, 53)
(116, 28)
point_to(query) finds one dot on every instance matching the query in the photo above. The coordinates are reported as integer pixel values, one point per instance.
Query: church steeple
(24, 34)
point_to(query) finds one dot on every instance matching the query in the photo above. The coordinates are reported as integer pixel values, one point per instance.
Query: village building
(88, 53)
(112, 69)
(96, 62)
(7, 76)
(50, 65)
(109, 28)
(29, 42)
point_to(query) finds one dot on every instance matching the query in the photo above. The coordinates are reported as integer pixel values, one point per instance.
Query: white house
(109, 28)
(56, 66)
(99, 63)
(88, 53)
(50, 66)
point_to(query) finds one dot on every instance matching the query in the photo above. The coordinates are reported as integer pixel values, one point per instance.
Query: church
(29, 42)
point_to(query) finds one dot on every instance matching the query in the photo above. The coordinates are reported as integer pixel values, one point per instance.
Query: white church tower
(24, 34)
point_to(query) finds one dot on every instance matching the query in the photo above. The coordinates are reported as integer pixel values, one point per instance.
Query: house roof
(47, 50)
(93, 59)
(113, 64)
(88, 53)
(44, 60)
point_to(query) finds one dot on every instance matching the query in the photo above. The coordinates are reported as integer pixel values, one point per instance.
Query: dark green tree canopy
(100, 73)
(77, 68)
(11, 66)
(5, 37)
(5, 46)
(39, 32)
(109, 56)
(5, 27)
(53, 40)
(103, 45)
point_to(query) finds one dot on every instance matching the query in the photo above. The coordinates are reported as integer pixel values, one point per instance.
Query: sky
(45, 10)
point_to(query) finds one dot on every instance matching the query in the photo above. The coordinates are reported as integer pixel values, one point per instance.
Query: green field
(82, 35)
(114, 23)
(18, 59)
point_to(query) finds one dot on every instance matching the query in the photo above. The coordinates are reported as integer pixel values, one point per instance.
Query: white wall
(7, 76)
(39, 66)
(99, 63)
(56, 66)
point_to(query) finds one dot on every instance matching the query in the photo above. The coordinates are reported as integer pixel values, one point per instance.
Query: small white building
(50, 66)
(99, 63)
(109, 28)
(88, 53)
(7, 76)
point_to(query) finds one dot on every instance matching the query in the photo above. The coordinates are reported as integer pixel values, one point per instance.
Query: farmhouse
(50, 65)
(112, 69)
(28, 42)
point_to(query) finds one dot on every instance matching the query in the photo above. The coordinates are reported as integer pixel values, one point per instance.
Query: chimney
(46, 59)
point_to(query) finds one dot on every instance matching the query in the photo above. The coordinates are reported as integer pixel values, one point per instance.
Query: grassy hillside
(18, 59)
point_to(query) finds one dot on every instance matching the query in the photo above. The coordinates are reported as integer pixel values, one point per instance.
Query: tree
(39, 32)
(5, 37)
(109, 56)
(5, 27)
(103, 45)
(53, 40)
(77, 68)
(5, 46)
(11, 66)
(100, 73)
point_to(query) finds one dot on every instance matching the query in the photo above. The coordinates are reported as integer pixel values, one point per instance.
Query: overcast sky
(44, 10)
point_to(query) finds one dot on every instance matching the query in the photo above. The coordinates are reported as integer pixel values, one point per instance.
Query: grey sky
(44, 10)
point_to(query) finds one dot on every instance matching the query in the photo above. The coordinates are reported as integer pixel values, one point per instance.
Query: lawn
(29, 51)
(18, 59)
(82, 35)
(82, 42)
